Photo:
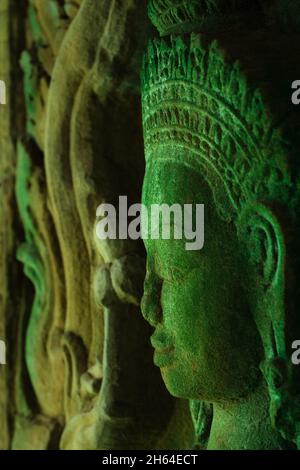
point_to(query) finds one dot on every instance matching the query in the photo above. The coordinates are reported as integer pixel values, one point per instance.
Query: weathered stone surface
(12, 285)
(80, 372)
(218, 114)
(72, 331)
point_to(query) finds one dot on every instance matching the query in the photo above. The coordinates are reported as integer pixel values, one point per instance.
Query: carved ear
(260, 230)
(261, 233)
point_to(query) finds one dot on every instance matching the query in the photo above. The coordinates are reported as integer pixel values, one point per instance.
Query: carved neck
(244, 425)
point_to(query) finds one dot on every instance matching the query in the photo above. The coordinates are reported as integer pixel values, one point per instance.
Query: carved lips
(164, 354)
(164, 357)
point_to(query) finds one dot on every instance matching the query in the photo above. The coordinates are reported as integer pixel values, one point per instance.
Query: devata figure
(220, 129)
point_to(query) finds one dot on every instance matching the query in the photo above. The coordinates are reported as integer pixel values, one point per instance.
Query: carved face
(205, 339)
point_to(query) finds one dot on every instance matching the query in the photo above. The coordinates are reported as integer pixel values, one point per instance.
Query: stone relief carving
(217, 115)
(85, 379)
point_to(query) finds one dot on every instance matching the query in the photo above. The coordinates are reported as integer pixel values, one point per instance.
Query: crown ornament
(178, 16)
(199, 108)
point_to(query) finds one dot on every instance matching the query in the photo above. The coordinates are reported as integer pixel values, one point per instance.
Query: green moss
(28, 253)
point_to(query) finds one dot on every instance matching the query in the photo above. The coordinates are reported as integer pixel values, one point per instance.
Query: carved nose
(150, 305)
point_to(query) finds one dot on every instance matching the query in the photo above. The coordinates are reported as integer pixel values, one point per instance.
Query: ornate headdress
(196, 100)
(171, 16)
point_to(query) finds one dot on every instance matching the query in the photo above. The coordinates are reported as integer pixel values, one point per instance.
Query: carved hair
(196, 100)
